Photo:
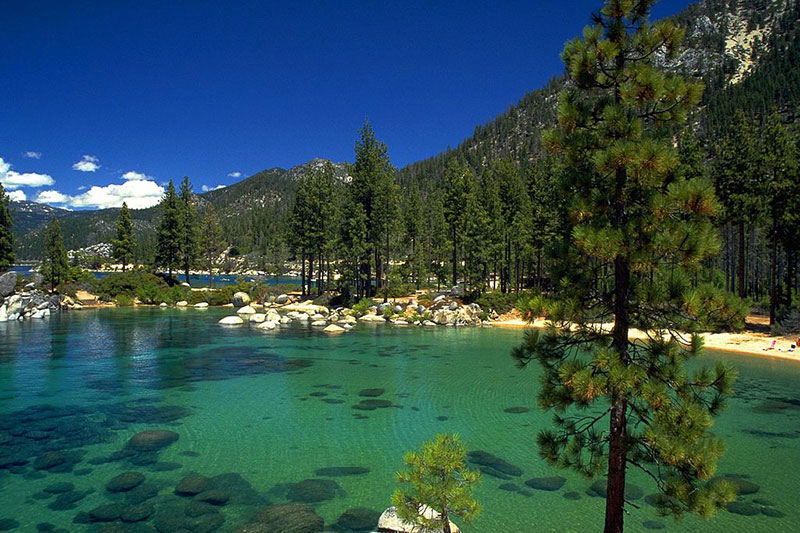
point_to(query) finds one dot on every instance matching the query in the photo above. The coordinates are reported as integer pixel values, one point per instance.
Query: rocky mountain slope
(254, 201)
(728, 43)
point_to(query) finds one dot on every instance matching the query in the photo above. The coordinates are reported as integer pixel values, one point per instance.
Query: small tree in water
(635, 235)
(441, 481)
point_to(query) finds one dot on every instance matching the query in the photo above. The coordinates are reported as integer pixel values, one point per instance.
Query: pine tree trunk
(455, 258)
(210, 274)
(773, 289)
(615, 497)
(740, 286)
(789, 276)
(303, 273)
(320, 260)
(446, 523)
(310, 274)
(539, 267)
(386, 269)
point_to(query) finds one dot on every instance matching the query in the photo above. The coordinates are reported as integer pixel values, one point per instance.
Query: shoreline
(744, 343)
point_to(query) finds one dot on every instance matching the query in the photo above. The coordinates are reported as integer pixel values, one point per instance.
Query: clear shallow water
(275, 407)
(196, 280)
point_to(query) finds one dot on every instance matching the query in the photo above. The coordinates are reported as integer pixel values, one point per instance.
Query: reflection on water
(154, 419)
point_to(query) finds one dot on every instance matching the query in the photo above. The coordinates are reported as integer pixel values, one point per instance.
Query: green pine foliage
(187, 228)
(374, 188)
(439, 479)
(124, 245)
(780, 183)
(210, 241)
(311, 225)
(7, 254)
(169, 244)
(639, 232)
(55, 266)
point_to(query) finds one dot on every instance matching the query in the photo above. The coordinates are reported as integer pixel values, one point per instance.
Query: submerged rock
(137, 513)
(58, 488)
(312, 490)
(357, 519)
(125, 482)
(599, 489)
(151, 440)
(546, 483)
(742, 486)
(285, 518)
(107, 513)
(214, 497)
(492, 465)
(192, 484)
(742, 508)
(231, 321)
(372, 404)
(371, 393)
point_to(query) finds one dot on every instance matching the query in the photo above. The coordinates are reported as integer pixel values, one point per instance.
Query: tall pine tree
(168, 248)
(373, 187)
(457, 179)
(124, 245)
(736, 177)
(210, 241)
(55, 266)
(188, 228)
(779, 164)
(6, 236)
(639, 231)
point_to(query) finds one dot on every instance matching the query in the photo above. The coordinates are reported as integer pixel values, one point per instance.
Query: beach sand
(747, 342)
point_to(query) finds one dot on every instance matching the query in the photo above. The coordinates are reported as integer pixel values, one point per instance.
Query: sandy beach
(746, 342)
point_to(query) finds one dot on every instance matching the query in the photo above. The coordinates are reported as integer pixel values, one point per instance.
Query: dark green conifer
(188, 228)
(124, 245)
(639, 232)
(168, 249)
(55, 266)
(6, 236)
(210, 241)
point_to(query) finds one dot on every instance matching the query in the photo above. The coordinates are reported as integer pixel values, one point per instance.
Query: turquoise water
(220, 280)
(274, 407)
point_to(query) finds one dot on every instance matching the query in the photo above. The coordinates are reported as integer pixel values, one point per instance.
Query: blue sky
(103, 101)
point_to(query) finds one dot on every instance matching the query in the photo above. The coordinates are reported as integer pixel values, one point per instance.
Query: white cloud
(17, 196)
(138, 194)
(88, 163)
(32, 155)
(81, 187)
(206, 188)
(236, 174)
(132, 175)
(52, 197)
(12, 179)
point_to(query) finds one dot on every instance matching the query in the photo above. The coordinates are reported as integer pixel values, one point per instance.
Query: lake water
(197, 280)
(260, 412)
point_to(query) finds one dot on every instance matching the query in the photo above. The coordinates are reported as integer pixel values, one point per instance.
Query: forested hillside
(746, 51)
(251, 211)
